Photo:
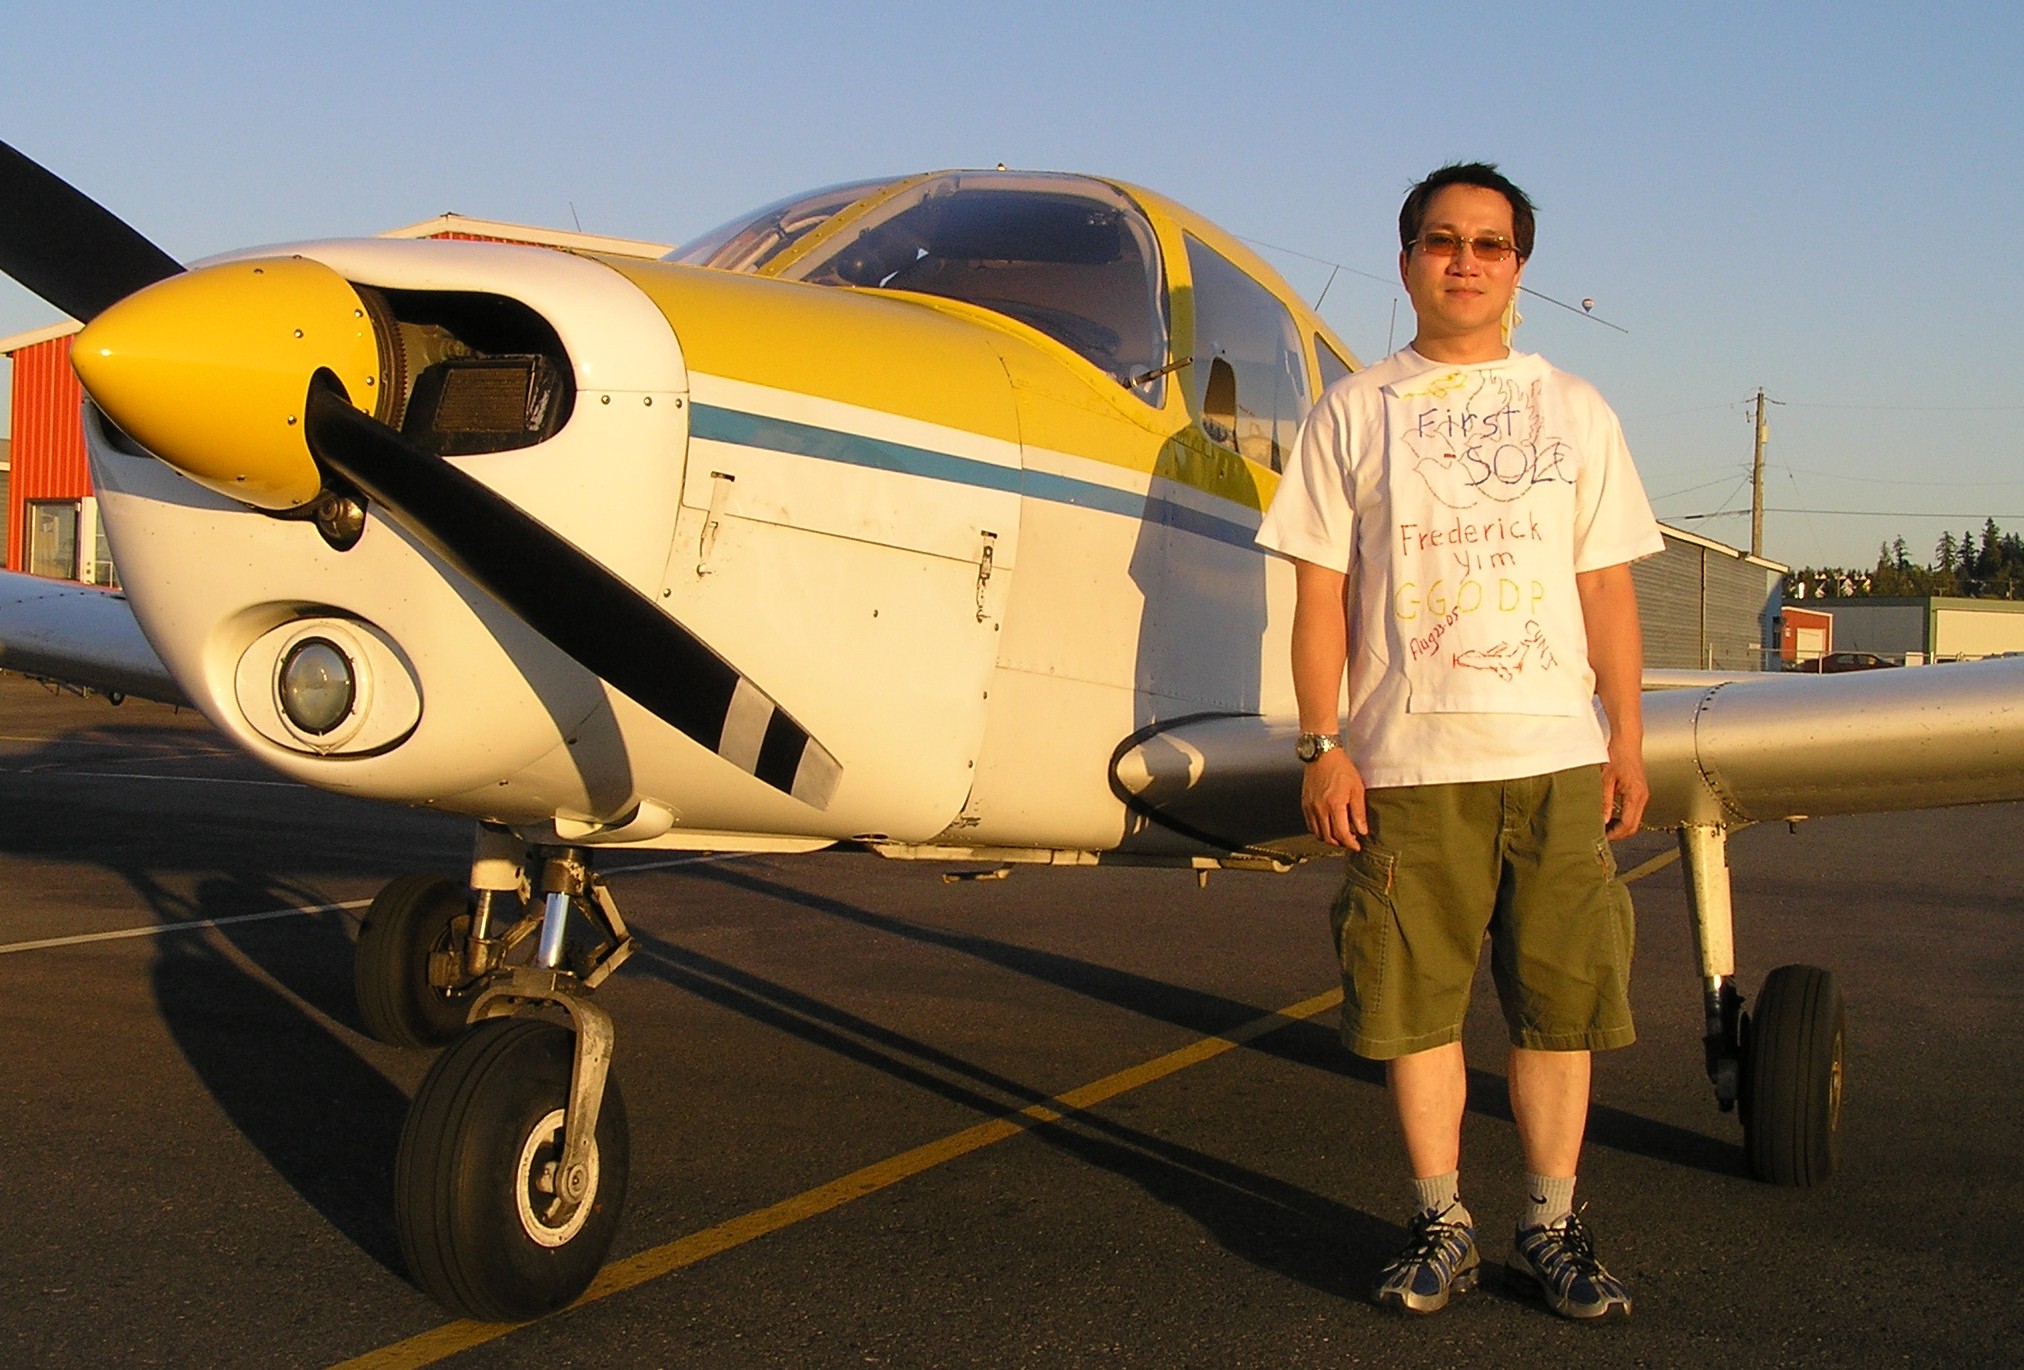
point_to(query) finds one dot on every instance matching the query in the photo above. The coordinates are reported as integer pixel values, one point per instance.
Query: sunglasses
(1488, 247)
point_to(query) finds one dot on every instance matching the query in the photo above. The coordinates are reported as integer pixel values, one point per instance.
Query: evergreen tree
(1989, 564)
(1989, 561)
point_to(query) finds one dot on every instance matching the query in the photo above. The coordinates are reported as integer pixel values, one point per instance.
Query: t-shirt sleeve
(1312, 517)
(1613, 521)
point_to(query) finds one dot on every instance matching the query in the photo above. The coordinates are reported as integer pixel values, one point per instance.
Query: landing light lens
(317, 685)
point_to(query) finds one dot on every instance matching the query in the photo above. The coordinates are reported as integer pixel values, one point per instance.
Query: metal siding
(48, 439)
(1742, 598)
(1702, 608)
(1888, 629)
(1966, 632)
(1669, 606)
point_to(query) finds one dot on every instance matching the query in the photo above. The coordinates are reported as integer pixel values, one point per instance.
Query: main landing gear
(1782, 1061)
(513, 1161)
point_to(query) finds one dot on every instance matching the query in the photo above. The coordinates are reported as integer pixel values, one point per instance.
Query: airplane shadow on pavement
(1311, 1043)
(251, 1007)
(1275, 1224)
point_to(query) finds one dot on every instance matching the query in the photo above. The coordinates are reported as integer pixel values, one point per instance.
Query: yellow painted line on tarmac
(1651, 867)
(451, 1338)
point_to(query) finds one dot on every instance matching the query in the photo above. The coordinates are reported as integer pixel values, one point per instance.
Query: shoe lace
(1575, 1246)
(1428, 1238)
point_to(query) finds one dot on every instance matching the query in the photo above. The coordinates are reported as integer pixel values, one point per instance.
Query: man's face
(1461, 299)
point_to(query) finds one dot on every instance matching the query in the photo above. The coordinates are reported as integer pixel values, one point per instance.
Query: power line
(1390, 281)
(1885, 480)
(1913, 408)
(1690, 489)
(1849, 513)
(1675, 413)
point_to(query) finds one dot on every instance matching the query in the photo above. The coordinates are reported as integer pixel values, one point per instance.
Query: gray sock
(1439, 1195)
(1548, 1199)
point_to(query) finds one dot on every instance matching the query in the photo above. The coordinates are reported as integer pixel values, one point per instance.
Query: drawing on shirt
(1507, 659)
(1491, 446)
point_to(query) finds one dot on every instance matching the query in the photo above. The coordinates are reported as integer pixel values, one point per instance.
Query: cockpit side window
(1250, 370)
(1333, 367)
(1070, 258)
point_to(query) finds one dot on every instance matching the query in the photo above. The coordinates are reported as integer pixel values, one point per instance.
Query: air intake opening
(468, 372)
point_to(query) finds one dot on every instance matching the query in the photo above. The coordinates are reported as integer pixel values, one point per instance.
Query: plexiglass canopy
(1069, 256)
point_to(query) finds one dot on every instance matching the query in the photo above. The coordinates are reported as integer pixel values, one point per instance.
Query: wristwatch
(1311, 746)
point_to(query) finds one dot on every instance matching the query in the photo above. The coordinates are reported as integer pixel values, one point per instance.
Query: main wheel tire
(1794, 1041)
(469, 1200)
(411, 919)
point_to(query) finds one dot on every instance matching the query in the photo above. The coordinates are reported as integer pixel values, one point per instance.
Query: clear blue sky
(1817, 199)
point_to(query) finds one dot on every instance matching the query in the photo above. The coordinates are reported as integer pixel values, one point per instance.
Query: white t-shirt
(1463, 500)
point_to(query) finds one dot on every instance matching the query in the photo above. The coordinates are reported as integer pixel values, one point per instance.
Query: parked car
(1834, 663)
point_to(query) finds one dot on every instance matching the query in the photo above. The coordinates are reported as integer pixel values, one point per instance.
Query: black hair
(1484, 174)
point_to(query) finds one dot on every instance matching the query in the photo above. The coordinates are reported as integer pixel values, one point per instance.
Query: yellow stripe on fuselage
(941, 362)
(835, 344)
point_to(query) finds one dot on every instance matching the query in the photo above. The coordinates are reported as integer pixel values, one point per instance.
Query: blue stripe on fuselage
(742, 429)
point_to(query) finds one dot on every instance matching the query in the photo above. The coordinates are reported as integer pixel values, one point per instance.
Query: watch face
(1310, 746)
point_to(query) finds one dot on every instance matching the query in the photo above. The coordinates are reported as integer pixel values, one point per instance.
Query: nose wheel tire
(1794, 1041)
(415, 918)
(475, 1200)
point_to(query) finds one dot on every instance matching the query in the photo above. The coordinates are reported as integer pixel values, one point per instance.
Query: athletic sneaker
(1439, 1260)
(1558, 1261)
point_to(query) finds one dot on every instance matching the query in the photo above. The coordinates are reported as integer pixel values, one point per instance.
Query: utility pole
(1757, 484)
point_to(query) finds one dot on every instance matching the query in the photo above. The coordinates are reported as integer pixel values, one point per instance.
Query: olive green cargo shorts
(1523, 860)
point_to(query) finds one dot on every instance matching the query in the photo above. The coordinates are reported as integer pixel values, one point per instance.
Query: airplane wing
(1723, 754)
(78, 635)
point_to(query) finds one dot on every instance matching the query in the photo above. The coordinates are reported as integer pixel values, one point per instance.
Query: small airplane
(916, 513)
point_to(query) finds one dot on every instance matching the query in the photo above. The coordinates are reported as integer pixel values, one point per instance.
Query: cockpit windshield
(751, 241)
(1070, 257)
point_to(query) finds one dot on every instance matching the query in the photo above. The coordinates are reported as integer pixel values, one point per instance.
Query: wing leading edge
(79, 635)
(1724, 755)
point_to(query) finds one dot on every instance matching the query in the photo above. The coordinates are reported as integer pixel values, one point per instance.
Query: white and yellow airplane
(916, 513)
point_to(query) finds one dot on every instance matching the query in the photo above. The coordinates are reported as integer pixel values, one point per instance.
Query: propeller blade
(606, 626)
(65, 246)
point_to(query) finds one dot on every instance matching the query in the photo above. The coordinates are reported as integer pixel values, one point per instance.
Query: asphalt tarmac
(846, 1081)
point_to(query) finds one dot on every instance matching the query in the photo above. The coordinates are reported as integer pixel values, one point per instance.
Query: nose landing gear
(514, 1158)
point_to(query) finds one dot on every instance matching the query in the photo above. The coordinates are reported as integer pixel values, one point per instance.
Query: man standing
(1462, 519)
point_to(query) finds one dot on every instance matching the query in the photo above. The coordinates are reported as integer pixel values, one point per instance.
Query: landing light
(316, 685)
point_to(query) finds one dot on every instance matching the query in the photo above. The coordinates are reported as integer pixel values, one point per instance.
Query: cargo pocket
(1623, 919)
(1365, 921)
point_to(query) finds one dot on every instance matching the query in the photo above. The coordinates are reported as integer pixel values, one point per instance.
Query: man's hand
(1331, 796)
(1624, 790)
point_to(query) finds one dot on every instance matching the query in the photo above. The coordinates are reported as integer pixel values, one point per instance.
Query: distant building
(1705, 606)
(1803, 635)
(51, 526)
(1935, 628)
